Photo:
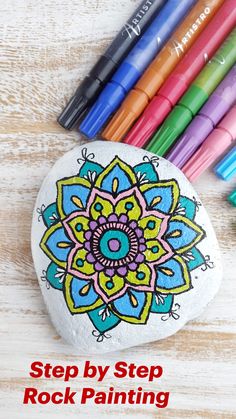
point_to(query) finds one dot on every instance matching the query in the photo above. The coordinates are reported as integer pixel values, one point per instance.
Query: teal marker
(232, 198)
(198, 93)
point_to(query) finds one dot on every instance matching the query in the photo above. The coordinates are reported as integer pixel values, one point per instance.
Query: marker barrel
(215, 145)
(195, 97)
(162, 66)
(134, 65)
(107, 64)
(219, 103)
(184, 74)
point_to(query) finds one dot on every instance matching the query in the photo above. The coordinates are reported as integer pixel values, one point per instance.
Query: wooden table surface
(46, 48)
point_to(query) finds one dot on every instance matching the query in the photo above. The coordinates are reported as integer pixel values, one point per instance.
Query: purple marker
(210, 115)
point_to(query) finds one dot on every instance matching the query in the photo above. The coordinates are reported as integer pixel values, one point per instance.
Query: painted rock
(123, 248)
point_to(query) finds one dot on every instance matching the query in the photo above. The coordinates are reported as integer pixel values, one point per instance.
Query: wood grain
(46, 48)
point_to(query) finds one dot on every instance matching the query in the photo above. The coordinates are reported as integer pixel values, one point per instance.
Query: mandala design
(122, 242)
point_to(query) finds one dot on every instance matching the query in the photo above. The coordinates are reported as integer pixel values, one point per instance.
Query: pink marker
(213, 147)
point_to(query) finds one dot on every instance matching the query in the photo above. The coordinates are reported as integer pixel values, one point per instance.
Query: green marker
(198, 93)
(232, 198)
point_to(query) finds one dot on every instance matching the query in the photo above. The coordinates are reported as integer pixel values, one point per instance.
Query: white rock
(124, 250)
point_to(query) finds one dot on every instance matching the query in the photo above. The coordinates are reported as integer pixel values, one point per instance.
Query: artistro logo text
(133, 27)
(180, 45)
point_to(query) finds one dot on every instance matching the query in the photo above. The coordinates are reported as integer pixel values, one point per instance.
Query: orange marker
(161, 68)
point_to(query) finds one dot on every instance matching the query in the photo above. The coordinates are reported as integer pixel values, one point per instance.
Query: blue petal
(58, 236)
(183, 234)
(103, 325)
(50, 215)
(91, 167)
(162, 308)
(124, 307)
(198, 259)
(189, 207)
(70, 191)
(123, 179)
(52, 276)
(80, 295)
(148, 170)
(168, 282)
(79, 299)
(166, 197)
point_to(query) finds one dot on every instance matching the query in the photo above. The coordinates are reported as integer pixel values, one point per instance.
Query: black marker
(101, 73)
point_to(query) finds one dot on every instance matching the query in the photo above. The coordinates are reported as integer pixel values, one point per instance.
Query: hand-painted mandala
(121, 242)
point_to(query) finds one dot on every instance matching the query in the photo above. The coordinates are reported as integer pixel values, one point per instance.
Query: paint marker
(107, 64)
(134, 65)
(215, 145)
(160, 69)
(232, 198)
(219, 103)
(226, 168)
(196, 96)
(183, 75)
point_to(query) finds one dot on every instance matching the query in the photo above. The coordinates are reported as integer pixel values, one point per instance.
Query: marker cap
(229, 122)
(78, 103)
(194, 98)
(232, 198)
(134, 104)
(215, 145)
(125, 115)
(222, 98)
(170, 130)
(187, 144)
(216, 107)
(113, 94)
(89, 87)
(175, 86)
(226, 168)
(101, 110)
(209, 116)
(158, 109)
(156, 112)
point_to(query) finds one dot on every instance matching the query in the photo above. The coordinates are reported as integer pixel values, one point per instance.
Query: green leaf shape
(50, 215)
(195, 257)
(148, 172)
(55, 276)
(158, 307)
(103, 322)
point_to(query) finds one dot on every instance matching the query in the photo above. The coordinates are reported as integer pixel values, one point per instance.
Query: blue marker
(226, 168)
(135, 64)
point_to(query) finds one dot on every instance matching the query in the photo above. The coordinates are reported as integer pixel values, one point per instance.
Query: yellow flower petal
(80, 264)
(151, 226)
(79, 225)
(141, 276)
(110, 286)
(129, 206)
(154, 251)
(101, 206)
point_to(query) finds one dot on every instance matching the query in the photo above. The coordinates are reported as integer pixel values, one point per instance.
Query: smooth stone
(123, 248)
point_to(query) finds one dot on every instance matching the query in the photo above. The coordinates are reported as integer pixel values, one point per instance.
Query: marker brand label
(179, 46)
(133, 27)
